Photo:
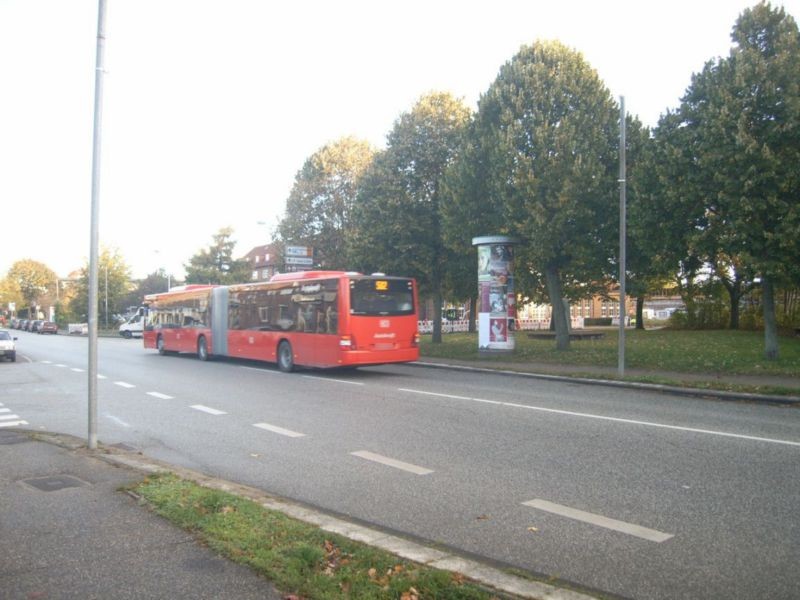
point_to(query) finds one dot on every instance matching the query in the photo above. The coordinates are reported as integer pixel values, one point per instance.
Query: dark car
(34, 326)
(23, 325)
(48, 327)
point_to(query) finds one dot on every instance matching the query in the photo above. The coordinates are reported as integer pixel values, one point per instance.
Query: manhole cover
(54, 483)
(13, 437)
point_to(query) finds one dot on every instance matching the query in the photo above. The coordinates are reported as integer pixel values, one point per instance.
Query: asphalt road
(636, 494)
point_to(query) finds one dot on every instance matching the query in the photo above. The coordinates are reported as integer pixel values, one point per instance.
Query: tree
(33, 280)
(320, 205)
(741, 117)
(114, 282)
(215, 264)
(549, 130)
(398, 223)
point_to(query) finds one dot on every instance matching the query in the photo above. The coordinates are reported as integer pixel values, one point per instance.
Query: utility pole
(622, 236)
(94, 236)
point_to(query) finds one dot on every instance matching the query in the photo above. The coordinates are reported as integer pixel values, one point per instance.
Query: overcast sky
(211, 107)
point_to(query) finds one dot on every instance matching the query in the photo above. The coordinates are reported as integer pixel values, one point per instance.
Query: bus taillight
(347, 342)
(415, 340)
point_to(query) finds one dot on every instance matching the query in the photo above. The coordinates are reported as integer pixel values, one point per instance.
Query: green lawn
(712, 352)
(300, 559)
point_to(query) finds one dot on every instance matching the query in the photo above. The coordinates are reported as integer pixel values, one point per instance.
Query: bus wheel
(285, 357)
(160, 346)
(202, 348)
(127, 335)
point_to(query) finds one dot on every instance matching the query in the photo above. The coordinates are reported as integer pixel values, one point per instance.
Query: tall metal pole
(622, 237)
(94, 230)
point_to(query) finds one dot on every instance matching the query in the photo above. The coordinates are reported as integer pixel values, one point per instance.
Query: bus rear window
(381, 297)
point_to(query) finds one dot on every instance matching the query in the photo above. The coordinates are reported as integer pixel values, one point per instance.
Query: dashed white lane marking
(613, 419)
(102, 377)
(599, 520)
(47, 362)
(5, 410)
(60, 365)
(208, 409)
(124, 384)
(13, 423)
(279, 430)
(8, 417)
(160, 396)
(117, 420)
(391, 462)
(334, 380)
(76, 369)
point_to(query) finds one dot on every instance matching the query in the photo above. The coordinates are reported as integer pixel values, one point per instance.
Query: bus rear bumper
(378, 357)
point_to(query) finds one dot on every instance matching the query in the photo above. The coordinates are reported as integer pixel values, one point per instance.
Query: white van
(134, 326)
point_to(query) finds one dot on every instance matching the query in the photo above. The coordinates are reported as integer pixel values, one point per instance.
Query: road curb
(650, 387)
(475, 570)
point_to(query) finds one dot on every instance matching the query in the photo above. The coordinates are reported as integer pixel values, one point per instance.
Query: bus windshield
(381, 297)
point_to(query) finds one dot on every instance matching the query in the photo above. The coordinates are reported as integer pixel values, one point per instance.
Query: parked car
(8, 349)
(34, 326)
(48, 327)
(23, 325)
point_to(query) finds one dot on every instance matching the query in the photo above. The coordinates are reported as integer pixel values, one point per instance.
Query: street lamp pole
(94, 236)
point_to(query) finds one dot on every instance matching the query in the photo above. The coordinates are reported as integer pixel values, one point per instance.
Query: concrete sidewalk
(67, 531)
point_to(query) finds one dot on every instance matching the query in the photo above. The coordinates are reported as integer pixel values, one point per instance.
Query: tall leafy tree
(549, 131)
(398, 223)
(742, 119)
(32, 280)
(215, 264)
(320, 205)
(114, 283)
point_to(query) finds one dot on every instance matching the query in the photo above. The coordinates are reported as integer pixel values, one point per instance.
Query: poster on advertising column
(496, 299)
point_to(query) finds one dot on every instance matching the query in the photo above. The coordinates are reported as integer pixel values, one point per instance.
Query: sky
(211, 107)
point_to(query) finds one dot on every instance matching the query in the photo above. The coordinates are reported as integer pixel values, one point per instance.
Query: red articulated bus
(316, 319)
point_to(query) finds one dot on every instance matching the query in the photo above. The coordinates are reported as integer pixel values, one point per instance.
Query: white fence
(522, 325)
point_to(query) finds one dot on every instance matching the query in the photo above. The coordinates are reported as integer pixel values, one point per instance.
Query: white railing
(522, 325)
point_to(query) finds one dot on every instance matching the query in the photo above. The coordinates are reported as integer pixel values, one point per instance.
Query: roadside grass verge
(298, 558)
(712, 353)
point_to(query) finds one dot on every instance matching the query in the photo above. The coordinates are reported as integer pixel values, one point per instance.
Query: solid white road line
(334, 380)
(391, 462)
(124, 384)
(613, 419)
(280, 430)
(12, 423)
(586, 517)
(207, 409)
(160, 396)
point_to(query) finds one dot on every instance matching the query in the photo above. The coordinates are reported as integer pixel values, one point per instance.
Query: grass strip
(297, 557)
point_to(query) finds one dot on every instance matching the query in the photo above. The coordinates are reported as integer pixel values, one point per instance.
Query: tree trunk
(473, 312)
(770, 325)
(735, 294)
(437, 317)
(557, 302)
(639, 312)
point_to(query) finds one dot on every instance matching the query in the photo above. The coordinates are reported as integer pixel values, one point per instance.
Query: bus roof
(310, 275)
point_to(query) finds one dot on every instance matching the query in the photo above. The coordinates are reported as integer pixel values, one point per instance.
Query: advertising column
(497, 306)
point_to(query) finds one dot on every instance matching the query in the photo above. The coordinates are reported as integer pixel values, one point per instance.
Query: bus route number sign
(382, 285)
